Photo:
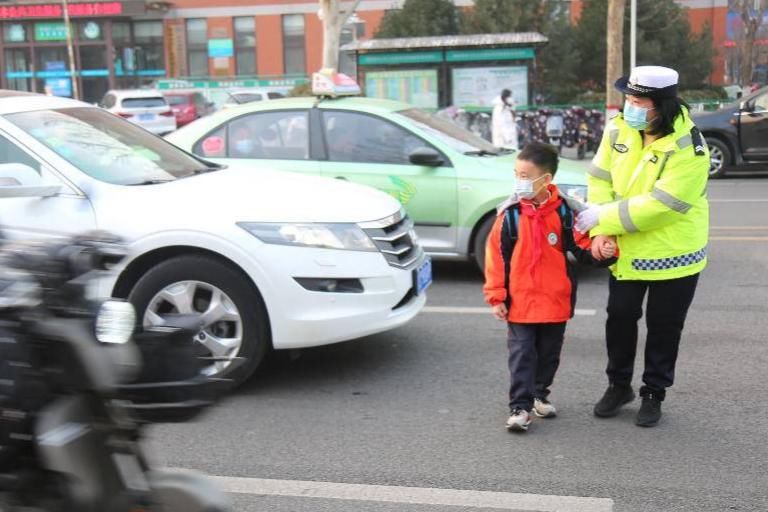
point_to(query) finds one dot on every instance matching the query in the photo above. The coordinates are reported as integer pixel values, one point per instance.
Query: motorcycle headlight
(327, 236)
(115, 322)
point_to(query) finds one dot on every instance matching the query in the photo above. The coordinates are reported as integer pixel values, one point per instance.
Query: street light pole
(70, 51)
(633, 35)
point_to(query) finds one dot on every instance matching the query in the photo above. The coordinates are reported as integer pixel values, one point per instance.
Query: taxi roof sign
(328, 82)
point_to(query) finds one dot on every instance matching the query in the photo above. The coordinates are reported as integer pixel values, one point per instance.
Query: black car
(737, 134)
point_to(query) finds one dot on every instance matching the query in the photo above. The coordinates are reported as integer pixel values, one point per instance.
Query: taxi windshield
(458, 138)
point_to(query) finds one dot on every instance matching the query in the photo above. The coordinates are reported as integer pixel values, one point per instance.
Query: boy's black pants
(668, 303)
(534, 355)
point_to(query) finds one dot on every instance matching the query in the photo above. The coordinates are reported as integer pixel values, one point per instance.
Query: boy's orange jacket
(530, 272)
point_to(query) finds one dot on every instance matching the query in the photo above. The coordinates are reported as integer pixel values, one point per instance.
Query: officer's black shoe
(650, 411)
(615, 396)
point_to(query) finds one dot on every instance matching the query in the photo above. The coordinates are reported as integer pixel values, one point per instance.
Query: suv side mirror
(19, 180)
(426, 156)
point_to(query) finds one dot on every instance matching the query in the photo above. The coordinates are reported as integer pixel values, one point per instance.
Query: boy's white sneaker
(543, 409)
(518, 421)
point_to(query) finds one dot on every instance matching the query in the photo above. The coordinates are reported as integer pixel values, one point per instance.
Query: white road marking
(739, 228)
(738, 238)
(485, 311)
(412, 495)
(745, 200)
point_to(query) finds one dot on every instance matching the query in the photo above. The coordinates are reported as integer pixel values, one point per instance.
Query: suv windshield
(106, 147)
(455, 136)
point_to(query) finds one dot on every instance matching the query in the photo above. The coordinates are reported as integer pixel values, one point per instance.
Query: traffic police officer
(647, 187)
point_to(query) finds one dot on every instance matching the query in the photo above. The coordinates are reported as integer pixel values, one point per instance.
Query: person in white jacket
(503, 126)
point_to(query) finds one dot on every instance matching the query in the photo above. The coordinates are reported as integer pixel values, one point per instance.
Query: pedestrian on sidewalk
(503, 123)
(529, 281)
(647, 186)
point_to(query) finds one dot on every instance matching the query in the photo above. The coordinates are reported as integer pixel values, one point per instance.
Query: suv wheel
(719, 157)
(233, 314)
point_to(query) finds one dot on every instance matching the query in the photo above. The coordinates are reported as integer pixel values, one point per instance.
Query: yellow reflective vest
(654, 199)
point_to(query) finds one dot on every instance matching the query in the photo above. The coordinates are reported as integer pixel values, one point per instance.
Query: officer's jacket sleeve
(599, 182)
(495, 290)
(681, 184)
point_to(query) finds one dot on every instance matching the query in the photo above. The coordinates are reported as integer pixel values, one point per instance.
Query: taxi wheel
(481, 237)
(232, 313)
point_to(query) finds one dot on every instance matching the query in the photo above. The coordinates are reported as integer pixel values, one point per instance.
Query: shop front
(436, 72)
(110, 48)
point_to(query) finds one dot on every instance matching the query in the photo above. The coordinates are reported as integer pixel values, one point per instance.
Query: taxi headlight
(115, 322)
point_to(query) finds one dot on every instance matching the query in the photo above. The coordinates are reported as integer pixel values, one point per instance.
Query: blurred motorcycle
(75, 396)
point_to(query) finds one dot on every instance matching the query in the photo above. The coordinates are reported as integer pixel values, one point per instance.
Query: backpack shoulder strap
(513, 221)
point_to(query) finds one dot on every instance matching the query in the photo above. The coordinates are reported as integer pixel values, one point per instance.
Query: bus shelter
(466, 71)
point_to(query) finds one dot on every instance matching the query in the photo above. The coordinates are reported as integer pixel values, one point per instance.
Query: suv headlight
(327, 236)
(115, 322)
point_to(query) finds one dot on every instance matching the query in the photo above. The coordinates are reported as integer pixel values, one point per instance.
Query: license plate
(423, 276)
(146, 117)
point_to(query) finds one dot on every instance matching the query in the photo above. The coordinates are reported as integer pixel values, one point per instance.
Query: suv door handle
(341, 178)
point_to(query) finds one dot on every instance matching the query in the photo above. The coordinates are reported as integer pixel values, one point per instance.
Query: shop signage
(76, 10)
(220, 48)
(226, 84)
(489, 54)
(58, 86)
(16, 33)
(374, 59)
(91, 30)
(50, 32)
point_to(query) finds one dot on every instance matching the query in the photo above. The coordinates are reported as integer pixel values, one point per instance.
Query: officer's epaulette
(698, 141)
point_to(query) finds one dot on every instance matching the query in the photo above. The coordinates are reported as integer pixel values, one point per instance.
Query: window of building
(148, 46)
(197, 47)
(293, 44)
(245, 45)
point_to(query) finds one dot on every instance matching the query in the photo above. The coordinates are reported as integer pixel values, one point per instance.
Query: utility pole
(70, 51)
(632, 35)
(615, 44)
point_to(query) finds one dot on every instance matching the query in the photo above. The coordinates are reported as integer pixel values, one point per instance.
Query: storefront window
(293, 44)
(150, 55)
(197, 47)
(18, 69)
(245, 45)
(15, 33)
(52, 71)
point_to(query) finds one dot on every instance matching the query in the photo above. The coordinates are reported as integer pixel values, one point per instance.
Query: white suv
(264, 258)
(147, 108)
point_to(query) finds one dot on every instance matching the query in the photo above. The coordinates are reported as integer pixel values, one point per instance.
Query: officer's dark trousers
(667, 307)
(534, 355)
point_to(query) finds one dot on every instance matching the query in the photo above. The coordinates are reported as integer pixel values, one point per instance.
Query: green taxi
(448, 179)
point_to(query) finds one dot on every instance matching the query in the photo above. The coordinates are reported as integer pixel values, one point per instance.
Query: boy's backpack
(513, 221)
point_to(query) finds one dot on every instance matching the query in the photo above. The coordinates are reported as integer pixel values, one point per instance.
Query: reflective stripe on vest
(673, 262)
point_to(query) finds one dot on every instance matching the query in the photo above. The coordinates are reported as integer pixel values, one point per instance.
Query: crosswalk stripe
(413, 495)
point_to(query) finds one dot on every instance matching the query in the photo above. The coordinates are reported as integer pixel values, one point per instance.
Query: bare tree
(334, 16)
(615, 43)
(752, 13)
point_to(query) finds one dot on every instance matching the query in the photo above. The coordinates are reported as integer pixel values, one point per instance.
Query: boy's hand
(598, 247)
(608, 249)
(500, 311)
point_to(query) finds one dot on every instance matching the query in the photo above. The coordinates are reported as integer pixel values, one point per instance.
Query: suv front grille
(395, 239)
